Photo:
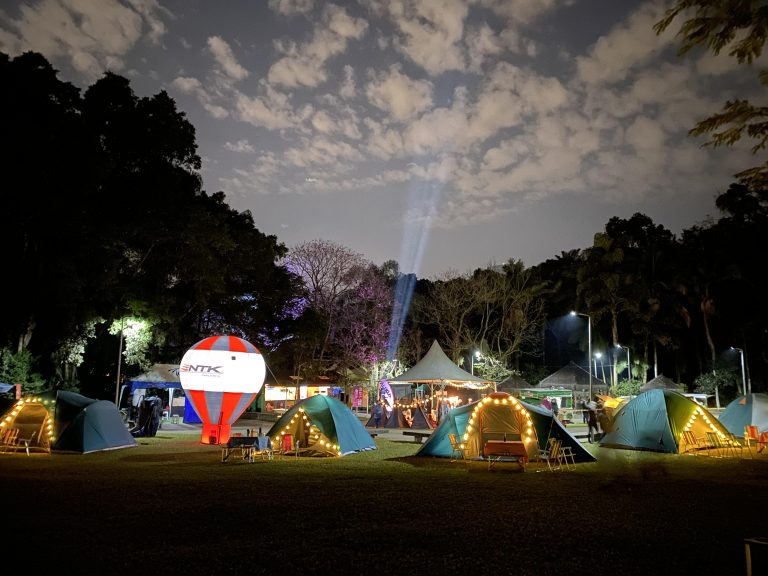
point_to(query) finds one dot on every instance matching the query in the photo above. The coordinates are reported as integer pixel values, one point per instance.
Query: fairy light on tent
(698, 412)
(527, 432)
(29, 402)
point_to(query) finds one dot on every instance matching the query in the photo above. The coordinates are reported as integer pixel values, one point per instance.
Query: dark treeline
(108, 235)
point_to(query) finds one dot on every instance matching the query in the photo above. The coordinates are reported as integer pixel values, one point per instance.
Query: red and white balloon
(221, 376)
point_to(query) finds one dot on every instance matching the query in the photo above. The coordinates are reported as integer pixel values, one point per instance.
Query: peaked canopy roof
(435, 367)
(661, 382)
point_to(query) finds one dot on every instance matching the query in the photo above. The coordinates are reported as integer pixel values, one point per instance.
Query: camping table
(243, 443)
(503, 450)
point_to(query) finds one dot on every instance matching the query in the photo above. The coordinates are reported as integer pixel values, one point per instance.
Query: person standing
(377, 411)
(591, 407)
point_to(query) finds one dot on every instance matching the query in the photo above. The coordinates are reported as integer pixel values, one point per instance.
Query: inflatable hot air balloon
(221, 376)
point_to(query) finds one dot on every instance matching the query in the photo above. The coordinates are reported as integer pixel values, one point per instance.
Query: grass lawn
(170, 506)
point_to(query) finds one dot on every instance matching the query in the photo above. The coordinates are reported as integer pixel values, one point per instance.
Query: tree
(740, 27)
(170, 254)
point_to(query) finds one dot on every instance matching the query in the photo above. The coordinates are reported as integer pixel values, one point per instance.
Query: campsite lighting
(589, 351)
(743, 377)
(629, 366)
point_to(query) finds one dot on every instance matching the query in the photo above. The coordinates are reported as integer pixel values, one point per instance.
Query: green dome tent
(323, 426)
(655, 420)
(500, 416)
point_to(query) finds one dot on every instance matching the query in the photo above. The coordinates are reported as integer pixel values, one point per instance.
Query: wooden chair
(692, 443)
(750, 438)
(458, 450)
(552, 455)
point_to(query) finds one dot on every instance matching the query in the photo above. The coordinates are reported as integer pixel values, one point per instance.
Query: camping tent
(323, 426)
(396, 418)
(491, 418)
(30, 416)
(85, 425)
(746, 410)
(655, 420)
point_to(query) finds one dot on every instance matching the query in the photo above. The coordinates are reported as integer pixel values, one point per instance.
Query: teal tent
(746, 410)
(655, 420)
(322, 426)
(497, 416)
(85, 425)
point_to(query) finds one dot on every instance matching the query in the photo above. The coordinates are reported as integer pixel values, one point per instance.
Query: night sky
(444, 134)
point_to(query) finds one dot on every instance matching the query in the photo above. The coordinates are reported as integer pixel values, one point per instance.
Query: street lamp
(475, 354)
(589, 351)
(629, 366)
(599, 356)
(743, 377)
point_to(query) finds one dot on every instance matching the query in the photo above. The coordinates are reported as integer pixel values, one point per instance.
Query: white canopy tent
(437, 370)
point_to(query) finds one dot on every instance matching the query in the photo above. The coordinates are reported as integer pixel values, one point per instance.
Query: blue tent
(655, 420)
(85, 425)
(500, 417)
(746, 410)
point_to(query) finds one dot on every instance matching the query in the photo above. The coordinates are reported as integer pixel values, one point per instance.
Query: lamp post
(119, 363)
(629, 366)
(743, 377)
(475, 354)
(589, 351)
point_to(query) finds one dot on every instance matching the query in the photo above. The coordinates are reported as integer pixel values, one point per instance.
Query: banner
(386, 395)
(357, 396)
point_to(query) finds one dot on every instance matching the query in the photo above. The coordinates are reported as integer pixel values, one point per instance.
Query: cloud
(348, 88)
(399, 95)
(192, 86)
(240, 146)
(629, 45)
(291, 7)
(92, 36)
(523, 11)
(271, 110)
(225, 59)
(430, 32)
(304, 64)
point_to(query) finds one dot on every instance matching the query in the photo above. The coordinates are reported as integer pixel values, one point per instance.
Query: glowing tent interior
(67, 421)
(656, 419)
(498, 415)
(322, 426)
(30, 419)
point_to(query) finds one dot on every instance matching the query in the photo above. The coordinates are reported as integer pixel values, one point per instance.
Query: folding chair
(27, 441)
(551, 455)
(734, 444)
(567, 454)
(457, 449)
(718, 444)
(751, 436)
(9, 439)
(692, 443)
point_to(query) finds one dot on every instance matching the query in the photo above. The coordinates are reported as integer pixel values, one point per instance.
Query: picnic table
(248, 446)
(506, 451)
